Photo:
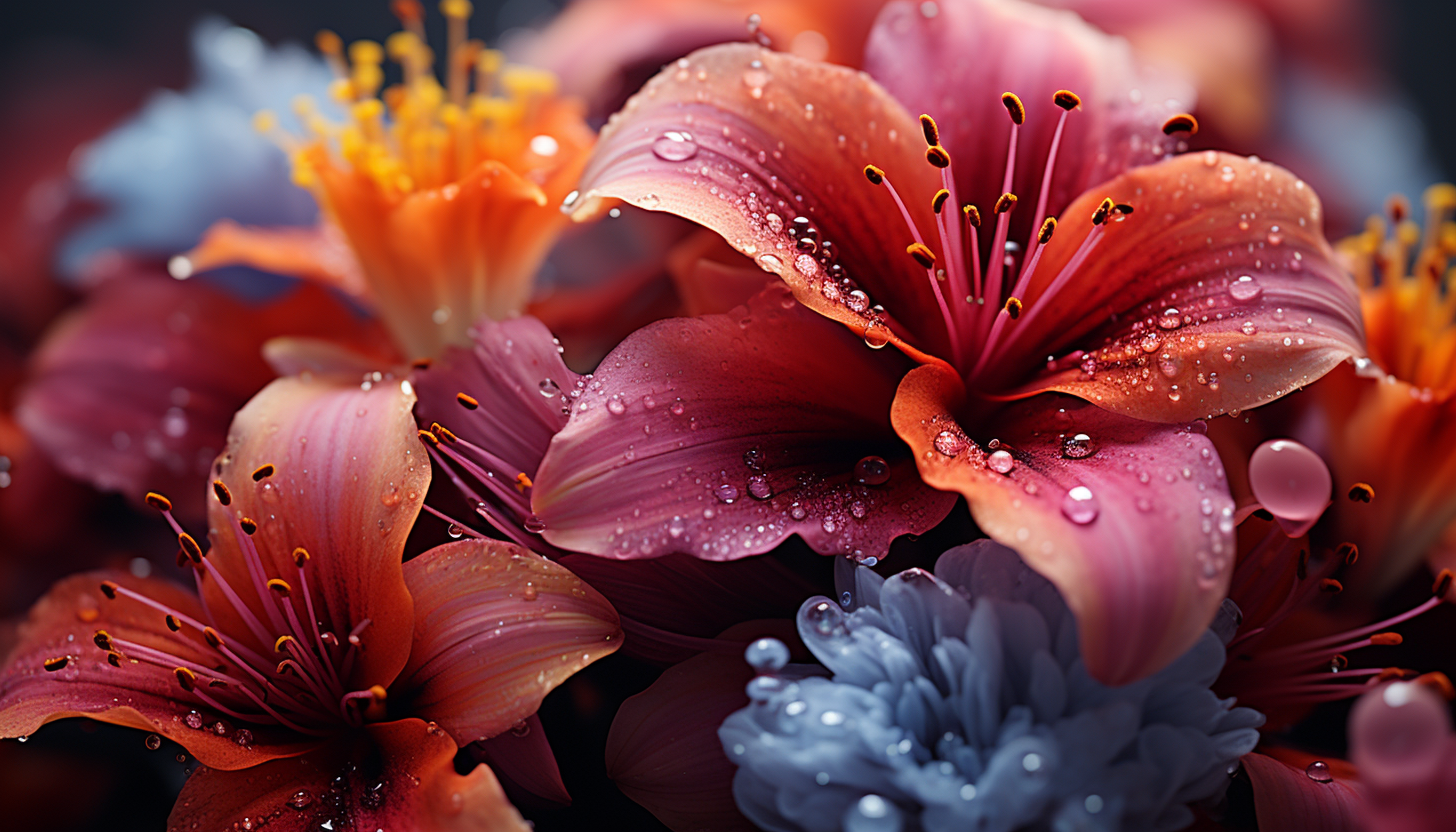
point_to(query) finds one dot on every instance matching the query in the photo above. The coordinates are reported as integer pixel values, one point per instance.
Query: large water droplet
(153, 742)
(872, 470)
(615, 406)
(534, 524)
(1319, 772)
(726, 493)
(767, 655)
(1245, 289)
(824, 617)
(1170, 319)
(455, 532)
(1289, 480)
(758, 487)
(949, 442)
(1078, 446)
(301, 799)
(1080, 505)
(876, 336)
(548, 388)
(1001, 462)
(675, 146)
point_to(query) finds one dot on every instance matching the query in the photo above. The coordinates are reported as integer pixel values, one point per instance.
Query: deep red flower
(1169, 292)
(318, 678)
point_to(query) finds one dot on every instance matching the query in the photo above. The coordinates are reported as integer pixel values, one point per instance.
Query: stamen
(332, 48)
(1103, 211)
(263, 472)
(57, 663)
(430, 440)
(1014, 108)
(874, 175)
(190, 547)
(174, 623)
(158, 502)
(223, 495)
(1361, 492)
(523, 482)
(1013, 308)
(1180, 123)
(937, 202)
(102, 640)
(248, 525)
(937, 156)
(932, 132)
(922, 254)
(280, 586)
(468, 402)
(186, 678)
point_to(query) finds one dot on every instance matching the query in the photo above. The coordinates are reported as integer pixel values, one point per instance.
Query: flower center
(1409, 310)
(299, 685)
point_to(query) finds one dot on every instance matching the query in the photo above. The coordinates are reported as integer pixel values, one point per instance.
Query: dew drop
(548, 388)
(1290, 480)
(876, 336)
(193, 719)
(153, 742)
(872, 470)
(949, 443)
(534, 524)
(615, 406)
(767, 655)
(770, 262)
(1001, 462)
(1319, 772)
(1078, 446)
(1080, 505)
(758, 487)
(1245, 289)
(824, 617)
(726, 493)
(675, 146)
(1170, 319)
(1150, 342)
(1248, 328)
(301, 799)
(455, 532)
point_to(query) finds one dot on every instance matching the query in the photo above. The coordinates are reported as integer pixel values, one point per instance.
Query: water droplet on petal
(1001, 462)
(615, 405)
(1170, 319)
(1078, 446)
(534, 524)
(675, 146)
(301, 799)
(1319, 772)
(455, 532)
(949, 442)
(876, 336)
(758, 487)
(726, 493)
(872, 470)
(153, 742)
(1245, 289)
(767, 655)
(549, 388)
(1080, 505)
(1290, 480)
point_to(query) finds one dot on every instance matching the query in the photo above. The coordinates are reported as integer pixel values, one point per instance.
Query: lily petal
(956, 63)
(394, 775)
(523, 760)
(514, 369)
(1131, 520)
(663, 749)
(721, 436)
(1285, 797)
(496, 629)
(798, 137)
(319, 253)
(134, 390)
(64, 624)
(348, 478)
(1218, 293)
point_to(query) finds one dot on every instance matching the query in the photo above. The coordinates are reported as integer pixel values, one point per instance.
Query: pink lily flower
(318, 678)
(1170, 292)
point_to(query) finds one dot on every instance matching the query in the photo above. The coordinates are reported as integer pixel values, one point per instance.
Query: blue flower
(959, 701)
(188, 159)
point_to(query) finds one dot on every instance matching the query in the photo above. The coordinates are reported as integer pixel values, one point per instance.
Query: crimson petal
(743, 140)
(496, 629)
(394, 775)
(954, 64)
(1217, 293)
(1287, 798)
(1131, 520)
(720, 436)
(523, 759)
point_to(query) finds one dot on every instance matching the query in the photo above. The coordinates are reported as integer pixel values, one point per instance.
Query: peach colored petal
(319, 254)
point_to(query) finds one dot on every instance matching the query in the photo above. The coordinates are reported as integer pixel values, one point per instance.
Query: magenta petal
(515, 372)
(1400, 737)
(720, 436)
(134, 390)
(1131, 520)
(522, 760)
(1286, 798)
(955, 65)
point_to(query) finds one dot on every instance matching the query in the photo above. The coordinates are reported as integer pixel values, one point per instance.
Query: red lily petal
(648, 33)
(394, 775)
(496, 629)
(134, 390)
(955, 65)
(768, 132)
(711, 277)
(663, 749)
(64, 624)
(721, 436)
(506, 370)
(675, 606)
(1218, 293)
(320, 254)
(348, 478)
(1286, 798)
(1133, 523)
(523, 759)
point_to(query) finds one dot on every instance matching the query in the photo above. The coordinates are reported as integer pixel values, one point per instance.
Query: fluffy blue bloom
(959, 701)
(188, 159)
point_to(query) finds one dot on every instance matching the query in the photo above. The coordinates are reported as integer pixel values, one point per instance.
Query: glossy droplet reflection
(767, 655)
(1289, 480)
(1001, 462)
(872, 470)
(1319, 772)
(949, 442)
(675, 146)
(1078, 446)
(548, 388)
(1080, 505)
(1245, 289)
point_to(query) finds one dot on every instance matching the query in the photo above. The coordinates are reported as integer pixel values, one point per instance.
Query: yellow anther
(456, 8)
(973, 214)
(1066, 99)
(56, 663)
(1014, 107)
(932, 132)
(186, 678)
(1013, 308)
(280, 586)
(922, 254)
(300, 557)
(874, 174)
(400, 46)
(280, 642)
(1005, 203)
(328, 43)
(937, 202)
(366, 52)
(158, 502)
(341, 90)
(523, 482)
(1180, 123)
(1103, 210)
(937, 156)
(1047, 229)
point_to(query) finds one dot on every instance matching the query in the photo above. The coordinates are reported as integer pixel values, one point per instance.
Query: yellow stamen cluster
(1405, 275)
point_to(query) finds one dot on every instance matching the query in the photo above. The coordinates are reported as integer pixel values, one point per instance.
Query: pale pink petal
(496, 629)
(779, 137)
(1217, 293)
(392, 775)
(347, 478)
(723, 435)
(1287, 798)
(955, 64)
(1131, 520)
(1400, 737)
